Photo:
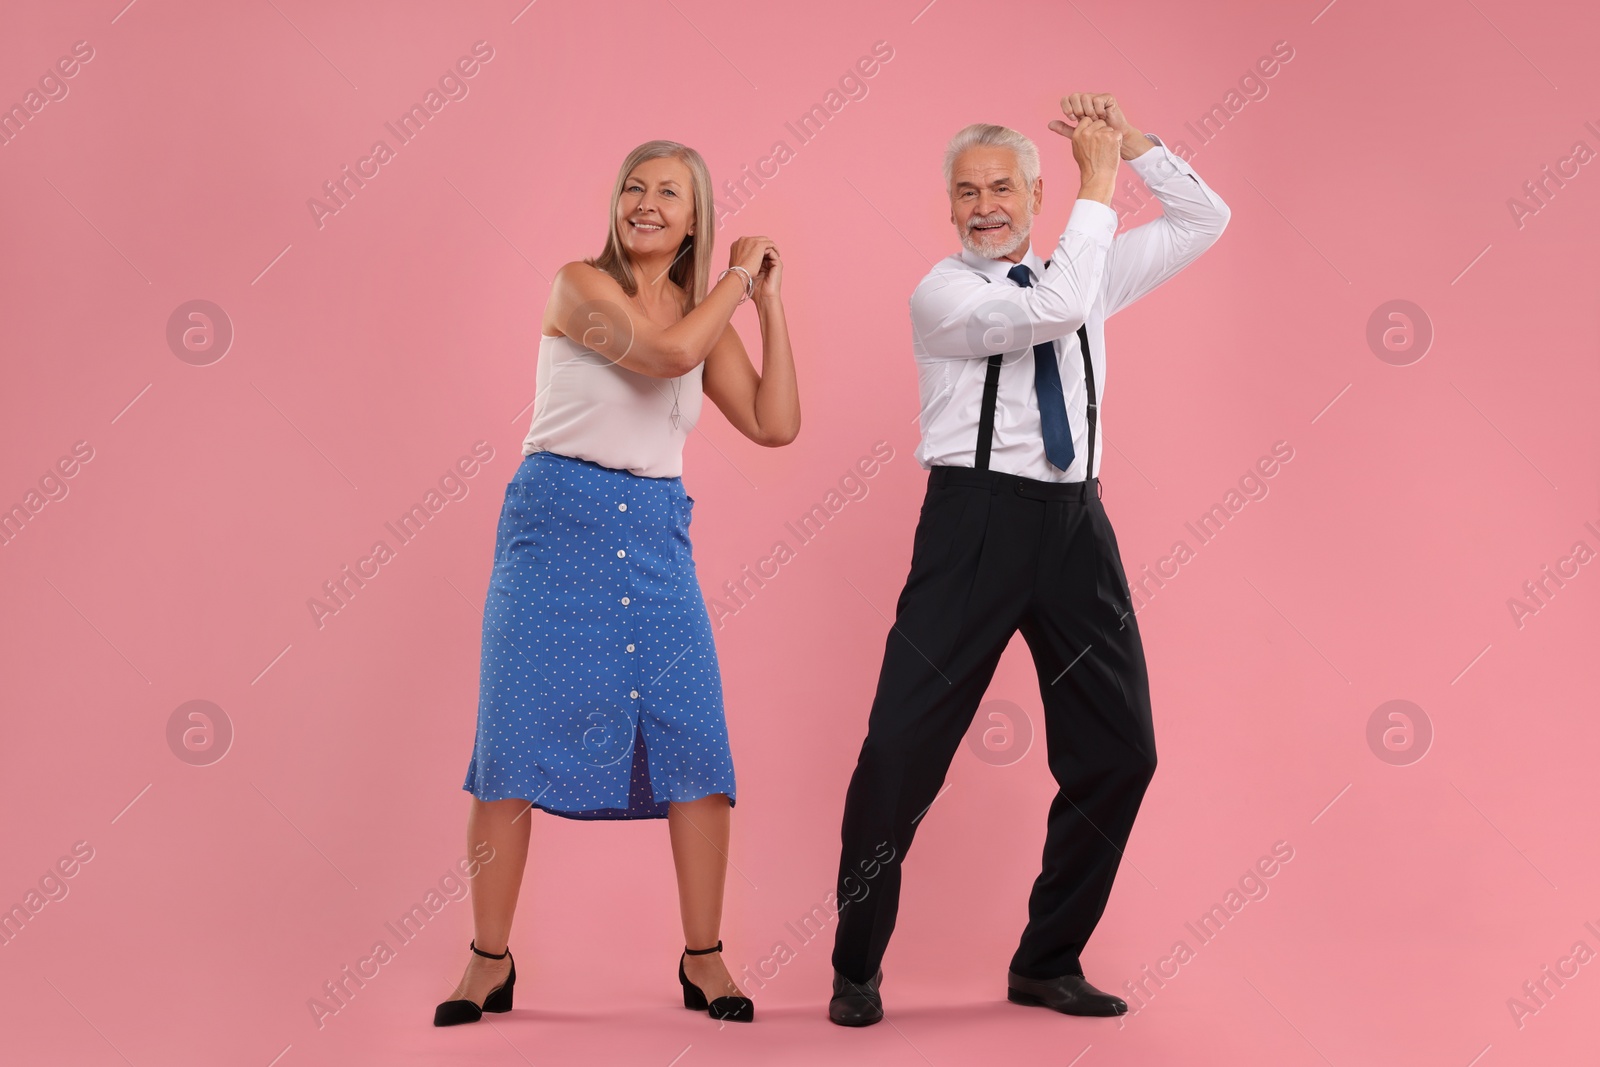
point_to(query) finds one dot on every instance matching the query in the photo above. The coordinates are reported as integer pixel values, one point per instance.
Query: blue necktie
(1047, 386)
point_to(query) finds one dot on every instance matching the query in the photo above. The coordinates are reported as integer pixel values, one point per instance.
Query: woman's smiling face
(656, 209)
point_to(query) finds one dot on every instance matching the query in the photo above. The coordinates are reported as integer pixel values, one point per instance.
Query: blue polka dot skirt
(599, 694)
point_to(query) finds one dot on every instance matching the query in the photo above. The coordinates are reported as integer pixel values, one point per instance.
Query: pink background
(370, 354)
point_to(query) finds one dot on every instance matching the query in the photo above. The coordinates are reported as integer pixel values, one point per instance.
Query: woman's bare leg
(504, 824)
(699, 830)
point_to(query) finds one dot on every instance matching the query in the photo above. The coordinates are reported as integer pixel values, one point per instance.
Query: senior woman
(599, 691)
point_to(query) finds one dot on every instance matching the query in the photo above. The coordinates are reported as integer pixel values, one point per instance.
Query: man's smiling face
(991, 209)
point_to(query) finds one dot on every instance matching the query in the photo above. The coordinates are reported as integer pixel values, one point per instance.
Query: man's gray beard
(1019, 239)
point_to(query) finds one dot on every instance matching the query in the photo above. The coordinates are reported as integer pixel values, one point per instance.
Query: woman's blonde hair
(691, 268)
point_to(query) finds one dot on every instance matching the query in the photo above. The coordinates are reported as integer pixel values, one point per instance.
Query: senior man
(1011, 363)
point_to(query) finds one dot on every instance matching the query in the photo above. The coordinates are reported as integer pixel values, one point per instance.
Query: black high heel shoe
(452, 1012)
(732, 1009)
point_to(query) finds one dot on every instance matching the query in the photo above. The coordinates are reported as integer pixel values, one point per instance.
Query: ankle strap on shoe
(702, 951)
(490, 955)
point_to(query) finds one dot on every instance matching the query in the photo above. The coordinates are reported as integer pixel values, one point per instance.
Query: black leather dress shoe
(854, 1004)
(1070, 994)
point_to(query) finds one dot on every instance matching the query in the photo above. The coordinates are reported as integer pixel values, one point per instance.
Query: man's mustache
(973, 224)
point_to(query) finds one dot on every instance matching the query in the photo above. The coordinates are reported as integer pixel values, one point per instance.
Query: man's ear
(1038, 193)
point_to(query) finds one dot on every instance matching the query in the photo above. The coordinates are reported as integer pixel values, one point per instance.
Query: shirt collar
(999, 269)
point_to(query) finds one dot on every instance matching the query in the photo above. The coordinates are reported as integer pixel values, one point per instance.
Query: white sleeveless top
(588, 407)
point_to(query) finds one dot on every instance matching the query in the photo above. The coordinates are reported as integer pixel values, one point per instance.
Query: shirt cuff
(1156, 164)
(1096, 220)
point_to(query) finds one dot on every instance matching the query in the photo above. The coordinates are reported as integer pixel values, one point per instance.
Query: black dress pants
(995, 553)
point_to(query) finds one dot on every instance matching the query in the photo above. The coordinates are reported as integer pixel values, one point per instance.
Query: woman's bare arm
(764, 406)
(587, 305)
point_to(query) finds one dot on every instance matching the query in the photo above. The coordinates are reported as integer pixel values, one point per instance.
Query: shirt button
(624, 600)
(622, 507)
(634, 693)
(620, 553)
(630, 648)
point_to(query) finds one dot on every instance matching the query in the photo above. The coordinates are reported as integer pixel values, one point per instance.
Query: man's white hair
(988, 134)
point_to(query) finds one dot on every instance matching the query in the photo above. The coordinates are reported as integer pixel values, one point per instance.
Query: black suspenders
(1093, 407)
(991, 389)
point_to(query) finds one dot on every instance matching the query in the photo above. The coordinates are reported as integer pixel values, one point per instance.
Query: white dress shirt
(958, 320)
